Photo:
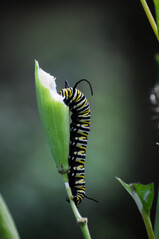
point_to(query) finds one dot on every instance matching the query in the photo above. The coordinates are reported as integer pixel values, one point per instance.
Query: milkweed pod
(54, 115)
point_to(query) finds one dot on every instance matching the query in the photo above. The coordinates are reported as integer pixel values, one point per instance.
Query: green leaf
(54, 115)
(126, 186)
(156, 3)
(142, 194)
(7, 227)
(146, 195)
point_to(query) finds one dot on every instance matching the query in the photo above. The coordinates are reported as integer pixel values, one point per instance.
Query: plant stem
(80, 220)
(150, 17)
(148, 225)
(7, 226)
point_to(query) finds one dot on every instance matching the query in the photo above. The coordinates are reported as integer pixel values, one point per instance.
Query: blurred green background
(111, 44)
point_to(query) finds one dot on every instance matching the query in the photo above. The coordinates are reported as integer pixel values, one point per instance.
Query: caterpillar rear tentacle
(79, 130)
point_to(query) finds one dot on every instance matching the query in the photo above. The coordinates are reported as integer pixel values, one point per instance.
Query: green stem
(7, 226)
(150, 17)
(148, 225)
(80, 220)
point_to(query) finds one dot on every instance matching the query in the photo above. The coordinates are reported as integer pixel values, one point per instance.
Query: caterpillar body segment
(79, 130)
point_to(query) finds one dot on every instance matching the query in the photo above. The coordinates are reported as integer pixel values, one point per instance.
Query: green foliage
(7, 227)
(150, 17)
(156, 4)
(143, 196)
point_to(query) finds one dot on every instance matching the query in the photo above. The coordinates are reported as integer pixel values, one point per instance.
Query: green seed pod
(54, 115)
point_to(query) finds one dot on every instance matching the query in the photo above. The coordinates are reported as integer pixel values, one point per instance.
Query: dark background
(112, 45)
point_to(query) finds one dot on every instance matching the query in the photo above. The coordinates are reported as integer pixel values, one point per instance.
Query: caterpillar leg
(78, 198)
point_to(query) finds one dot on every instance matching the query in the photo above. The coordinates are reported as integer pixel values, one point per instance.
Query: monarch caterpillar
(79, 130)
